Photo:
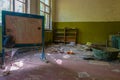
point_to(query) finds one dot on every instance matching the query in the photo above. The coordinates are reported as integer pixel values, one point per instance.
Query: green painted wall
(48, 36)
(95, 32)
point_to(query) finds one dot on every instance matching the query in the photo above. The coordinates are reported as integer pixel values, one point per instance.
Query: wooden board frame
(8, 13)
(4, 14)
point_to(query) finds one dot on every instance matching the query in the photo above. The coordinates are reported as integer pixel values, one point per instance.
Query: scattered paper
(59, 61)
(66, 56)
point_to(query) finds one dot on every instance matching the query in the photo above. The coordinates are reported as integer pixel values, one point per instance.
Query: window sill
(48, 30)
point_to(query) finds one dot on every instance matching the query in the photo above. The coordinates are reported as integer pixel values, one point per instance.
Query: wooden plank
(25, 30)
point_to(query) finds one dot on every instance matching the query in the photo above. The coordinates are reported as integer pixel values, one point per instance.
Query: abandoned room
(59, 39)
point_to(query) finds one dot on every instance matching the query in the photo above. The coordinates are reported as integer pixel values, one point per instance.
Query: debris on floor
(83, 47)
(89, 44)
(63, 66)
(67, 51)
(116, 70)
(17, 65)
(66, 56)
(70, 52)
(59, 61)
(71, 44)
(6, 73)
(105, 53)
(88, 57)
(83, 74)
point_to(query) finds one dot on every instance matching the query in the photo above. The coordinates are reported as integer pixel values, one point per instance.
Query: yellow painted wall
(34, 7)
(95, 19)
(53, 9)
(87, 10)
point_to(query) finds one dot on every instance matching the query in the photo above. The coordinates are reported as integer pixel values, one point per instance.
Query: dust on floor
(61, 66)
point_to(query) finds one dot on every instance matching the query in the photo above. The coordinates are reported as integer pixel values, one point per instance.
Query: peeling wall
(87, 10)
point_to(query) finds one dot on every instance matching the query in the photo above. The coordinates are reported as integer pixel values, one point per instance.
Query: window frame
(49, 25)
(25, 7)
(12, 7)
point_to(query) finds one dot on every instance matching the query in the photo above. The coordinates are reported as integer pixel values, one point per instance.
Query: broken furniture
(26, 29)
(65, 35)
(115, 39)
(105, 53)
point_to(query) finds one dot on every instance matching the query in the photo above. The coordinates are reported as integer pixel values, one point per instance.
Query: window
(4, 5)
(45, 9)
(20, 5)
(13, 5)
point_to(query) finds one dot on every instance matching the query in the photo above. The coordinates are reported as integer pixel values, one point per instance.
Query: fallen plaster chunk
(83, 74)
(5, 73)
(116, 70)
(16, 65)
(66, 56)
(48, 54)
(59, 61)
